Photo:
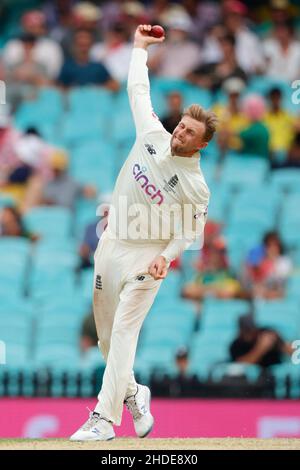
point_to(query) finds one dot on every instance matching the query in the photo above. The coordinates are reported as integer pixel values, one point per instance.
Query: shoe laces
(92, 421)
(136, 408)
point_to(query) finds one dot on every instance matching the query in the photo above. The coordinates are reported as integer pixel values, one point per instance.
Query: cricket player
(161, 172)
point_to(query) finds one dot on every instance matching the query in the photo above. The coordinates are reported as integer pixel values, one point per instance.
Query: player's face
(187, 137)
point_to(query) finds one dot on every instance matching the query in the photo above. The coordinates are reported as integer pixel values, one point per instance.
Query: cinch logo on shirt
(143, 180)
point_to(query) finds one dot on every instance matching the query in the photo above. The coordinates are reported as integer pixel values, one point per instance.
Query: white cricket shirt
(158, 198)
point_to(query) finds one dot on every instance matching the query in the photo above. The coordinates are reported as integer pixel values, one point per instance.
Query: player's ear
(203, 145)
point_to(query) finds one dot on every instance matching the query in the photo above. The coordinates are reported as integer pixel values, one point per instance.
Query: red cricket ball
(157, 31)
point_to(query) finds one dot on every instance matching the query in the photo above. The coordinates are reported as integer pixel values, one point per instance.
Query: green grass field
(152, 444)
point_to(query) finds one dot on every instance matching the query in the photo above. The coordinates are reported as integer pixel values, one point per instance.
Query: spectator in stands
(9, 136)
(232, 120)
(203, 15)
(59, 19)
(281, 124)
(254, 139)
(280, 11)
(62, 190)
(261, 346)
(34, 48)
(114, 52)
(182, 361)
(86, 15)
(293, 154)
(88, 336)
(177, 49)
(34, 153)
(175, 108)
(248, 48)
(211, 50)
(282, 53)
(133, 13)
(267, 269)
(25, 77)
(213, 75)
(12, 225)
(93, 233)
(182, 383)
(80, 70)
(215, 277)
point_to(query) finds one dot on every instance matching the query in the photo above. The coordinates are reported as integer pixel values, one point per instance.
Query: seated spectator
(282, 53)
(280, 123)
(211, 51)
(215, 277)
(79, 70)
(261, 346)
(171, 120)
(178, 55)
(182, 361)
(34, 153)
(86, 15)
(248, 48)
(35, 40)
(203, 16)
(9, 136)
(25, 77)
(267, 269)
(181, 383)
(11, 224)
(293, 155)
(231, 119)
(254, 139)
(59, 19)
(280, 10)
(88, 335)
(93, 234)
(62, 190)
(114, 52)
(213, 75)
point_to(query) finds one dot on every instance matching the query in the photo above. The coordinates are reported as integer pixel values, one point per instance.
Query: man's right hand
(142, 38)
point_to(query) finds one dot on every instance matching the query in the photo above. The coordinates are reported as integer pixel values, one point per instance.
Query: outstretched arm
(138, 85)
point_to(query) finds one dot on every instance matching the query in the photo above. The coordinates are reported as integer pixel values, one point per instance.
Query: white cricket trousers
(123, 295)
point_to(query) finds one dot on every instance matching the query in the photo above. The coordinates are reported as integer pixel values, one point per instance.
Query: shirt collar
(191, 162)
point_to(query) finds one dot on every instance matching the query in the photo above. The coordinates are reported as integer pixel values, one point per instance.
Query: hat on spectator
(30, 149)
(177, 18)
(234, 85)
(133, 8)
(279, 4)
(182, 353)
(87, 11)
(59, 160)
(254, 107)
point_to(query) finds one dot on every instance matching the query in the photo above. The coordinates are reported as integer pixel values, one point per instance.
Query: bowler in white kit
(158, 209)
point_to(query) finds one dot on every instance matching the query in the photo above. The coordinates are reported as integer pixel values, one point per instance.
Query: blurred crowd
(215, 46)
(219, 46)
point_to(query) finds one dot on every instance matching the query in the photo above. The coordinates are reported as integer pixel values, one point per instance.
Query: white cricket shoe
(94, 429)
(139, 407)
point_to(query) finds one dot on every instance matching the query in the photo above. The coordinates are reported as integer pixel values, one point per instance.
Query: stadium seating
(47, 221)
(283, 315)
(45, 296)
(242, 171)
